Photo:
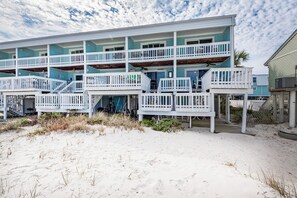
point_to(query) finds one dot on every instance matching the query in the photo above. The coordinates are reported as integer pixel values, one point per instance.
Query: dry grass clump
(285, 190)
(39, 131)
(116, 120)
(57, 122)
(17, 124)
(231, 164)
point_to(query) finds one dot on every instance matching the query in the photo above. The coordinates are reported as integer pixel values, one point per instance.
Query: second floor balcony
(169, 53)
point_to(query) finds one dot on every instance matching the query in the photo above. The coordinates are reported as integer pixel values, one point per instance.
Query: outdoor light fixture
(170, 74)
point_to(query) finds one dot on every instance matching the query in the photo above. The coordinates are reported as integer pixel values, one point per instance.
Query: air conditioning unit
(287, 82)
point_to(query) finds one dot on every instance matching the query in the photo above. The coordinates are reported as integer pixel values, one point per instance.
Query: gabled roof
(198, 23)
(281, 47)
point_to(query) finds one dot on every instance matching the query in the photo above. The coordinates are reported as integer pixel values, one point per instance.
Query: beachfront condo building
(180, 68)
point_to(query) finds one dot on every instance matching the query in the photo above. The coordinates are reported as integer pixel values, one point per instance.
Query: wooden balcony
(29, 83)
(175, 85)
(124, 81)
(227, 78)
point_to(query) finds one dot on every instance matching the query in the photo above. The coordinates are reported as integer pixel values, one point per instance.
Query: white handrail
(7, 64)
(33, 62)
(137, 55)
(117, 81)
(100, 57)
(155, 102)
(74, 86)
(193, 102)
(168, 85)
(67, 59)
(227, 78)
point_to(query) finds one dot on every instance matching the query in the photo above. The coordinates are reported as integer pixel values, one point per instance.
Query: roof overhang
(200, 23)
(281, 47)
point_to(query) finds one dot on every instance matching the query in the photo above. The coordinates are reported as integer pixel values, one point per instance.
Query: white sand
(150, 164)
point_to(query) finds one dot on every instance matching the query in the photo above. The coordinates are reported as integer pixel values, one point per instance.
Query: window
(43, 54)
(199, 41)
(255, 80)
(153, 53)
(195, 76)
(153, 45)
(254, 88)
(112, 56)
(110, 49)
(78, 51)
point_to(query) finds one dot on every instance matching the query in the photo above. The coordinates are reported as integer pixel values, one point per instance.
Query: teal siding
(60, 74)
(91, 47)
(262, 90)
(4, 55)
(25, 52)
(29, 73)
(57, 50)
(91, 70)
(6, 75)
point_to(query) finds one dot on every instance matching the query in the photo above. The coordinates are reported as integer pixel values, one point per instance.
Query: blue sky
(262, 25)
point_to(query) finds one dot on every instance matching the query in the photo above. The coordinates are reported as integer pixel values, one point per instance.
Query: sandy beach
(119, 163)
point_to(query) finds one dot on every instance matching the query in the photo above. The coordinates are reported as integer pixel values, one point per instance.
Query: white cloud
(262, 25)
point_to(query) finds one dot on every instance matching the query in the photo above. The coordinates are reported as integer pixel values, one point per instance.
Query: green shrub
(167, 125)
(39, 131)
(148, 123)
(24, 122)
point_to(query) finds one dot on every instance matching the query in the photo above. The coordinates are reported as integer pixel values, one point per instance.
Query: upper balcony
(226, 79)
(120, 81)
(30, 83)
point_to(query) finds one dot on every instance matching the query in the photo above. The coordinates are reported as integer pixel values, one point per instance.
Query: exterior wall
(4, 75)
(29, 73)
(4, 55)
(284, 64)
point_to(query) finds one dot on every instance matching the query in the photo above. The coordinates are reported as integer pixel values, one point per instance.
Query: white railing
(106, 57)
(151, 54)
(117, 81)
(7, 64)
(203, 50)
(33, 62)
(155, 102)
(73, 59)
(1, 101)
(74, 86)
(181, 84)
(26, 83)
(73, 101)
(193, 102)
(240, 78)
(47, 101)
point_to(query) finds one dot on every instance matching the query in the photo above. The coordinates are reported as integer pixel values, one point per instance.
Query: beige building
(283, 77)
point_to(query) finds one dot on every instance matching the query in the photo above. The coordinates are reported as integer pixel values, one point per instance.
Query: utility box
(287, 82)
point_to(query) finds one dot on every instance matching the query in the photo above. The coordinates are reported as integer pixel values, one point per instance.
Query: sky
(261, 25)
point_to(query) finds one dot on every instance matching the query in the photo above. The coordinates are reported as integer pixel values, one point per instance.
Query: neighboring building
(169, 69)
(260, 87)
(282, 77)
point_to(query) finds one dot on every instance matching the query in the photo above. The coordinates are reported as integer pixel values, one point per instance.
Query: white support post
(38, 114)
(90, 106)
(244, 113)
(16, 62)
(232, 45)
(227, 109)
(281, 107)
(190, 122)
(5, 107)
(212, 118)
(140, 116)
(274, 106)
(174, 59)
(127, 54)
(85, 57)
(219, 106)
(129, 102)
(292, 116)
(48, 62)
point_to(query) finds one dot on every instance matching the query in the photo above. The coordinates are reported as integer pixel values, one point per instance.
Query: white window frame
(72, 50)
(147, 43)
(113, 46)
(198, 39)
